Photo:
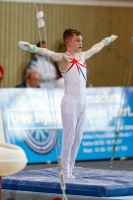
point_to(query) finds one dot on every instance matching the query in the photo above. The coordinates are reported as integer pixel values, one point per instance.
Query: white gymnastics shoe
(71, 176)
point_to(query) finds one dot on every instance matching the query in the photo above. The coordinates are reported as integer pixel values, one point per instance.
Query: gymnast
(73, 69)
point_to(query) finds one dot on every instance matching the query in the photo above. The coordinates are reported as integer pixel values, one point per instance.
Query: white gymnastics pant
(73, 117)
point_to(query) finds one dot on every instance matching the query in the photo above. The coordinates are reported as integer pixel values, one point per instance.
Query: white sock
(67, 176)
(71, 176)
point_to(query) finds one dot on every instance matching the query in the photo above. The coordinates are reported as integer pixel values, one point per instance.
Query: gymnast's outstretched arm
(57, 57)
(97, 47)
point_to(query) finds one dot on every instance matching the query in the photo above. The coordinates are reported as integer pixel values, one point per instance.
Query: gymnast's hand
(113, 37)
(25, 45)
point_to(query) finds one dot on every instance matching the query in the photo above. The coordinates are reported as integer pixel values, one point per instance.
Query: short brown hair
(69, 33)
(39, 44)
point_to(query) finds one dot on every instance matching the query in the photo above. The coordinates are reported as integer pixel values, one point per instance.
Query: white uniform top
(75, 78)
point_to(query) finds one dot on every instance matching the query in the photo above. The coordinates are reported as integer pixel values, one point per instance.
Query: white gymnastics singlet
(75, 77)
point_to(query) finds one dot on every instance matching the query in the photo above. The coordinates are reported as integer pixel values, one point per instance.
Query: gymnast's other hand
(113, 37)
(25, 45)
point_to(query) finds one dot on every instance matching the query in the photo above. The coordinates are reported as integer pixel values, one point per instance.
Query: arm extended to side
(59, 57)
(97, 47)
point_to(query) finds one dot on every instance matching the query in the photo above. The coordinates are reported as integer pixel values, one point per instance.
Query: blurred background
(95, 19)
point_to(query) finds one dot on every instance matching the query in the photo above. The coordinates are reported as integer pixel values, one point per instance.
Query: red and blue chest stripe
(78, 64)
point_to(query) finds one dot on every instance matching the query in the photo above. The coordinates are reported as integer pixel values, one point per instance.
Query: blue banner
(32, 120)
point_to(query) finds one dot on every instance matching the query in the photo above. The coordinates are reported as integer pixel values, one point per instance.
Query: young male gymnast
(73, 104)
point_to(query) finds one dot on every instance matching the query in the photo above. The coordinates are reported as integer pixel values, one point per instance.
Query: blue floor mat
(88, 182)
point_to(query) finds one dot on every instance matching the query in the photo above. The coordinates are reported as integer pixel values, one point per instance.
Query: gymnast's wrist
(34, 49)
(107, 41)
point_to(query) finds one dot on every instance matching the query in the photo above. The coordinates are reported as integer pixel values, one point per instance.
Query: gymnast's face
(75, 43)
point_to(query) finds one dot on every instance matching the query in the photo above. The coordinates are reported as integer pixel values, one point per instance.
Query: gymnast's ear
(67, 42)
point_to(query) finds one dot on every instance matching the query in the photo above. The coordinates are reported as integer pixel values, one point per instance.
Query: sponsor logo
(36, 121)
(41, 141)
